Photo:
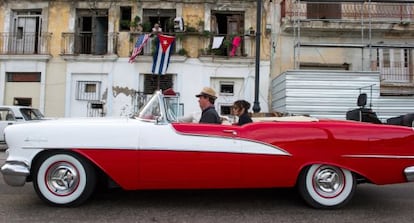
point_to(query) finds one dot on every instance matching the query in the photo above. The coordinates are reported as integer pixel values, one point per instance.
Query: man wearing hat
(206, 100)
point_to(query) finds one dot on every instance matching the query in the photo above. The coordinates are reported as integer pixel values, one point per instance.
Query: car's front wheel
(63, 179)
(325, 186)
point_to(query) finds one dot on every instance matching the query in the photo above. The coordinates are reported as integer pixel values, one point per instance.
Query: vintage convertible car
(325, 159)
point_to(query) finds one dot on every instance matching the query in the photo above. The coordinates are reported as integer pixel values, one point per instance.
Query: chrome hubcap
(62, 178)
(328, 181)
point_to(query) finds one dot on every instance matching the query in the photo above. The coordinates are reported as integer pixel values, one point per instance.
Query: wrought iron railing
(376, 11)
(208, 45)
(25, 43)
(89, 43)
(395, 72)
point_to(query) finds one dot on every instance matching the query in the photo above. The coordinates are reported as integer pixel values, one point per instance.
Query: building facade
(71, 58)
(324, 53)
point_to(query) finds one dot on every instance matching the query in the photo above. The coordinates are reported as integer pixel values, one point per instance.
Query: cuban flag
(162, 54)
(141, 41)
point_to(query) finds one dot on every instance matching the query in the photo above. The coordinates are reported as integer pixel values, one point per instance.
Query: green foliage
(182, 52)
(124, 24)
(200, 23)
(227, 43)
(146, 27)
(206, 33)
(134, 24)
(179, 36)
(191, 29)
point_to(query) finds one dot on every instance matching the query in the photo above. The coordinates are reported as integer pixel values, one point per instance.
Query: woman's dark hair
(242, 104)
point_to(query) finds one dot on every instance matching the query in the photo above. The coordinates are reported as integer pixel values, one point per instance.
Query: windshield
(31, 114)
(161, 108)
(172, 107)
(152, 110)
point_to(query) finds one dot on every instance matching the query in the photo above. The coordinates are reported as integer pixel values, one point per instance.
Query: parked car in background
(10, 115)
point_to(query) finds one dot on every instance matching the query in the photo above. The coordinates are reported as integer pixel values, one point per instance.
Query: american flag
(141, 41)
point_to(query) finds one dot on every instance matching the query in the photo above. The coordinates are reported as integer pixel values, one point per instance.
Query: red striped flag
(162, 54)
(141, 41)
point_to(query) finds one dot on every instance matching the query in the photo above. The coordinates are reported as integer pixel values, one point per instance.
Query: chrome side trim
(380, 156)
(15, 173)
(409, 173)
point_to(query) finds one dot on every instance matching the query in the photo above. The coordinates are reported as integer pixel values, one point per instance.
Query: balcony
(396, 78)
(347, 16)
(200, 45)
(87, 43)
(25, 43)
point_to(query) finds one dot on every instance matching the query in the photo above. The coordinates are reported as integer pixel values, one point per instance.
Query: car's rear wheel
(325, 186)
(63, 179)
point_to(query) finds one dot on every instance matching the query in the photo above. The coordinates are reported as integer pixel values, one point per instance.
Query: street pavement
(371, 203)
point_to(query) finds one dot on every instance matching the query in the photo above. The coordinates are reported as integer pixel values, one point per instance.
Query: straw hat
(207, 91)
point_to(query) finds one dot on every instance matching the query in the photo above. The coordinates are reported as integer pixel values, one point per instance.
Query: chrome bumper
(409, 173)
(15, 173)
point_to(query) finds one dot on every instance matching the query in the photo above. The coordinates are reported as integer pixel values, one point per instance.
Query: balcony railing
(353, 11)
(230, 46)
(395, 72)
(89, 43)
(149, 47)
(25, 43)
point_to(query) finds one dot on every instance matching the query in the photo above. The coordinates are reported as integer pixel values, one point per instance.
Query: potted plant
(146, 27)
(135, 24)
(200, 25)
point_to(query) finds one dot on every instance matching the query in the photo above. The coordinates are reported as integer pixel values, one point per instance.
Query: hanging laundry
(217, 41)
(236, 43)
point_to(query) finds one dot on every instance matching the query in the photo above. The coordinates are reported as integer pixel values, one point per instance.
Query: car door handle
(233, 132)
(10, 123)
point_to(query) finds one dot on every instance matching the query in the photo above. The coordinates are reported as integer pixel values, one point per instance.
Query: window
(394, 64)
(164, 17)
(31, 114)
(323, 11)
(88, 90)
(26, 30)
(125, 20)
(91, 32)
(227, 88)
(230, 25)
(19, 33)
(23, 76)
(151, 82)
(22, 101)
(225, 110)
(6, 115)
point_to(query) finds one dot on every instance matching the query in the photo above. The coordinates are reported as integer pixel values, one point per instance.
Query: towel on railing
(217, 41)
(236, 43)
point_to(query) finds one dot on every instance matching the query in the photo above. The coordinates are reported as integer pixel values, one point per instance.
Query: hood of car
(76, 133)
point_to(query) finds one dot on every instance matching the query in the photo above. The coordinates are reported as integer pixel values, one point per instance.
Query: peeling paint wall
(122, 79)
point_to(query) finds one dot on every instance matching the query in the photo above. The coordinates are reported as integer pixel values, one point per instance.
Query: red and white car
(325, 159)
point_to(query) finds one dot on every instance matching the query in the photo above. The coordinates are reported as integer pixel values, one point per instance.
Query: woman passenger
(240, 108)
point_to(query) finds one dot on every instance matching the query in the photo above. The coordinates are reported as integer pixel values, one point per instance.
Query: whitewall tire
(325, 186)
(63, 179)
